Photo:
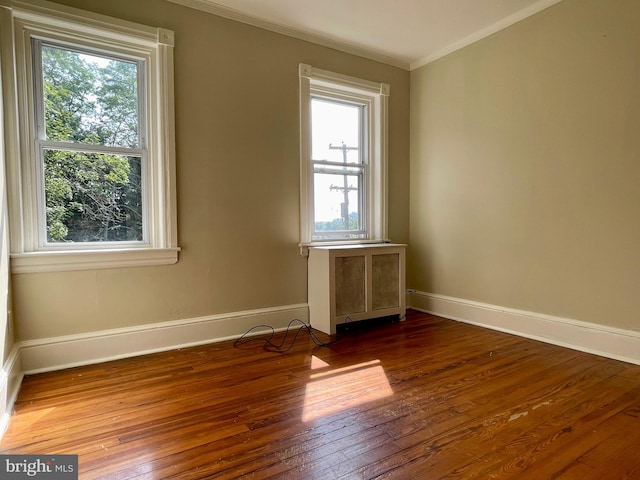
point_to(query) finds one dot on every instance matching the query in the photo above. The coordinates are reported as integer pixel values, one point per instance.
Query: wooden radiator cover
(357, 282)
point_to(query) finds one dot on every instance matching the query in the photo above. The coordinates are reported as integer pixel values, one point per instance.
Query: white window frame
(315, 82)
(20, 22)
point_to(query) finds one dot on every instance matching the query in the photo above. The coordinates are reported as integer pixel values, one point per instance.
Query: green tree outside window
(91, 195)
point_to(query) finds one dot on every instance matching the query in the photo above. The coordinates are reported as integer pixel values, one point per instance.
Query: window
(89, 154)
(92, 179)
(343, 158)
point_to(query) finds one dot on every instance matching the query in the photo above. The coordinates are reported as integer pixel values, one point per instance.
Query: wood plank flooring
(426, 398)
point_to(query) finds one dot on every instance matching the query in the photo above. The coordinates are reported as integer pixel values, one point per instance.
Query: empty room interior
(321, 239)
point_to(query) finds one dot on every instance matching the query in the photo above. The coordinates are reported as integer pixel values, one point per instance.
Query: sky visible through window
(333, 125)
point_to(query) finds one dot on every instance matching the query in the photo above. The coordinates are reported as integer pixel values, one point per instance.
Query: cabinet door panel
(385, 281)
(350, 285)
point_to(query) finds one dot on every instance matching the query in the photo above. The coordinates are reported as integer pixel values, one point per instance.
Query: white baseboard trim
(610, 342)
(10, 380)
(57, 353)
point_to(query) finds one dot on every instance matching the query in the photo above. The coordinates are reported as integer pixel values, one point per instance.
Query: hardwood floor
(426, 398)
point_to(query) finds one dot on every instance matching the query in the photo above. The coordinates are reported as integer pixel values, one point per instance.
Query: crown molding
(485, 32)
(233, 14)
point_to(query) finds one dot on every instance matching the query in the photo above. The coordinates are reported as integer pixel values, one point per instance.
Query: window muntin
(88, 145)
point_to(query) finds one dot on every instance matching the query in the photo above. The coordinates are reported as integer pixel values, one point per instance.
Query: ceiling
(404, 33)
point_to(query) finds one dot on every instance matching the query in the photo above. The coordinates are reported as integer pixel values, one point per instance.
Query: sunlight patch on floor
(343, 388)
(317, 363)
(28, 420)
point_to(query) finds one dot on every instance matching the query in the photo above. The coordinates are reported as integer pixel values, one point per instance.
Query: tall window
(91, 132)
(343, 158)
(339, 160)
(90, 154)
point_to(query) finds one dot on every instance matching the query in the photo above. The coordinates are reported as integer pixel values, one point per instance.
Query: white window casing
(20, 22)
(373, 96)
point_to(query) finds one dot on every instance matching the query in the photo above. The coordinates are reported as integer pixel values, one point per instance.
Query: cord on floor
(270, 346)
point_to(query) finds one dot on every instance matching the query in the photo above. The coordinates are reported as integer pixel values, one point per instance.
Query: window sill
(39, 262)
(304, 247)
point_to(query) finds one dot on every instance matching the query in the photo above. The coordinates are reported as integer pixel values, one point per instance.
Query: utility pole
(344, 206)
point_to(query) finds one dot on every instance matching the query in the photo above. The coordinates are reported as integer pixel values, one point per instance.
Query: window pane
(335, 131)
(89, 98)
(336, 204)
(92, 197)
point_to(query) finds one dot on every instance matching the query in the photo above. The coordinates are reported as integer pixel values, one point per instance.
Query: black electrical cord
(270, 346)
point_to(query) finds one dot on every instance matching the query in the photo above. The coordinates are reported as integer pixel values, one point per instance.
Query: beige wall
(237, 140)
(525, 166)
